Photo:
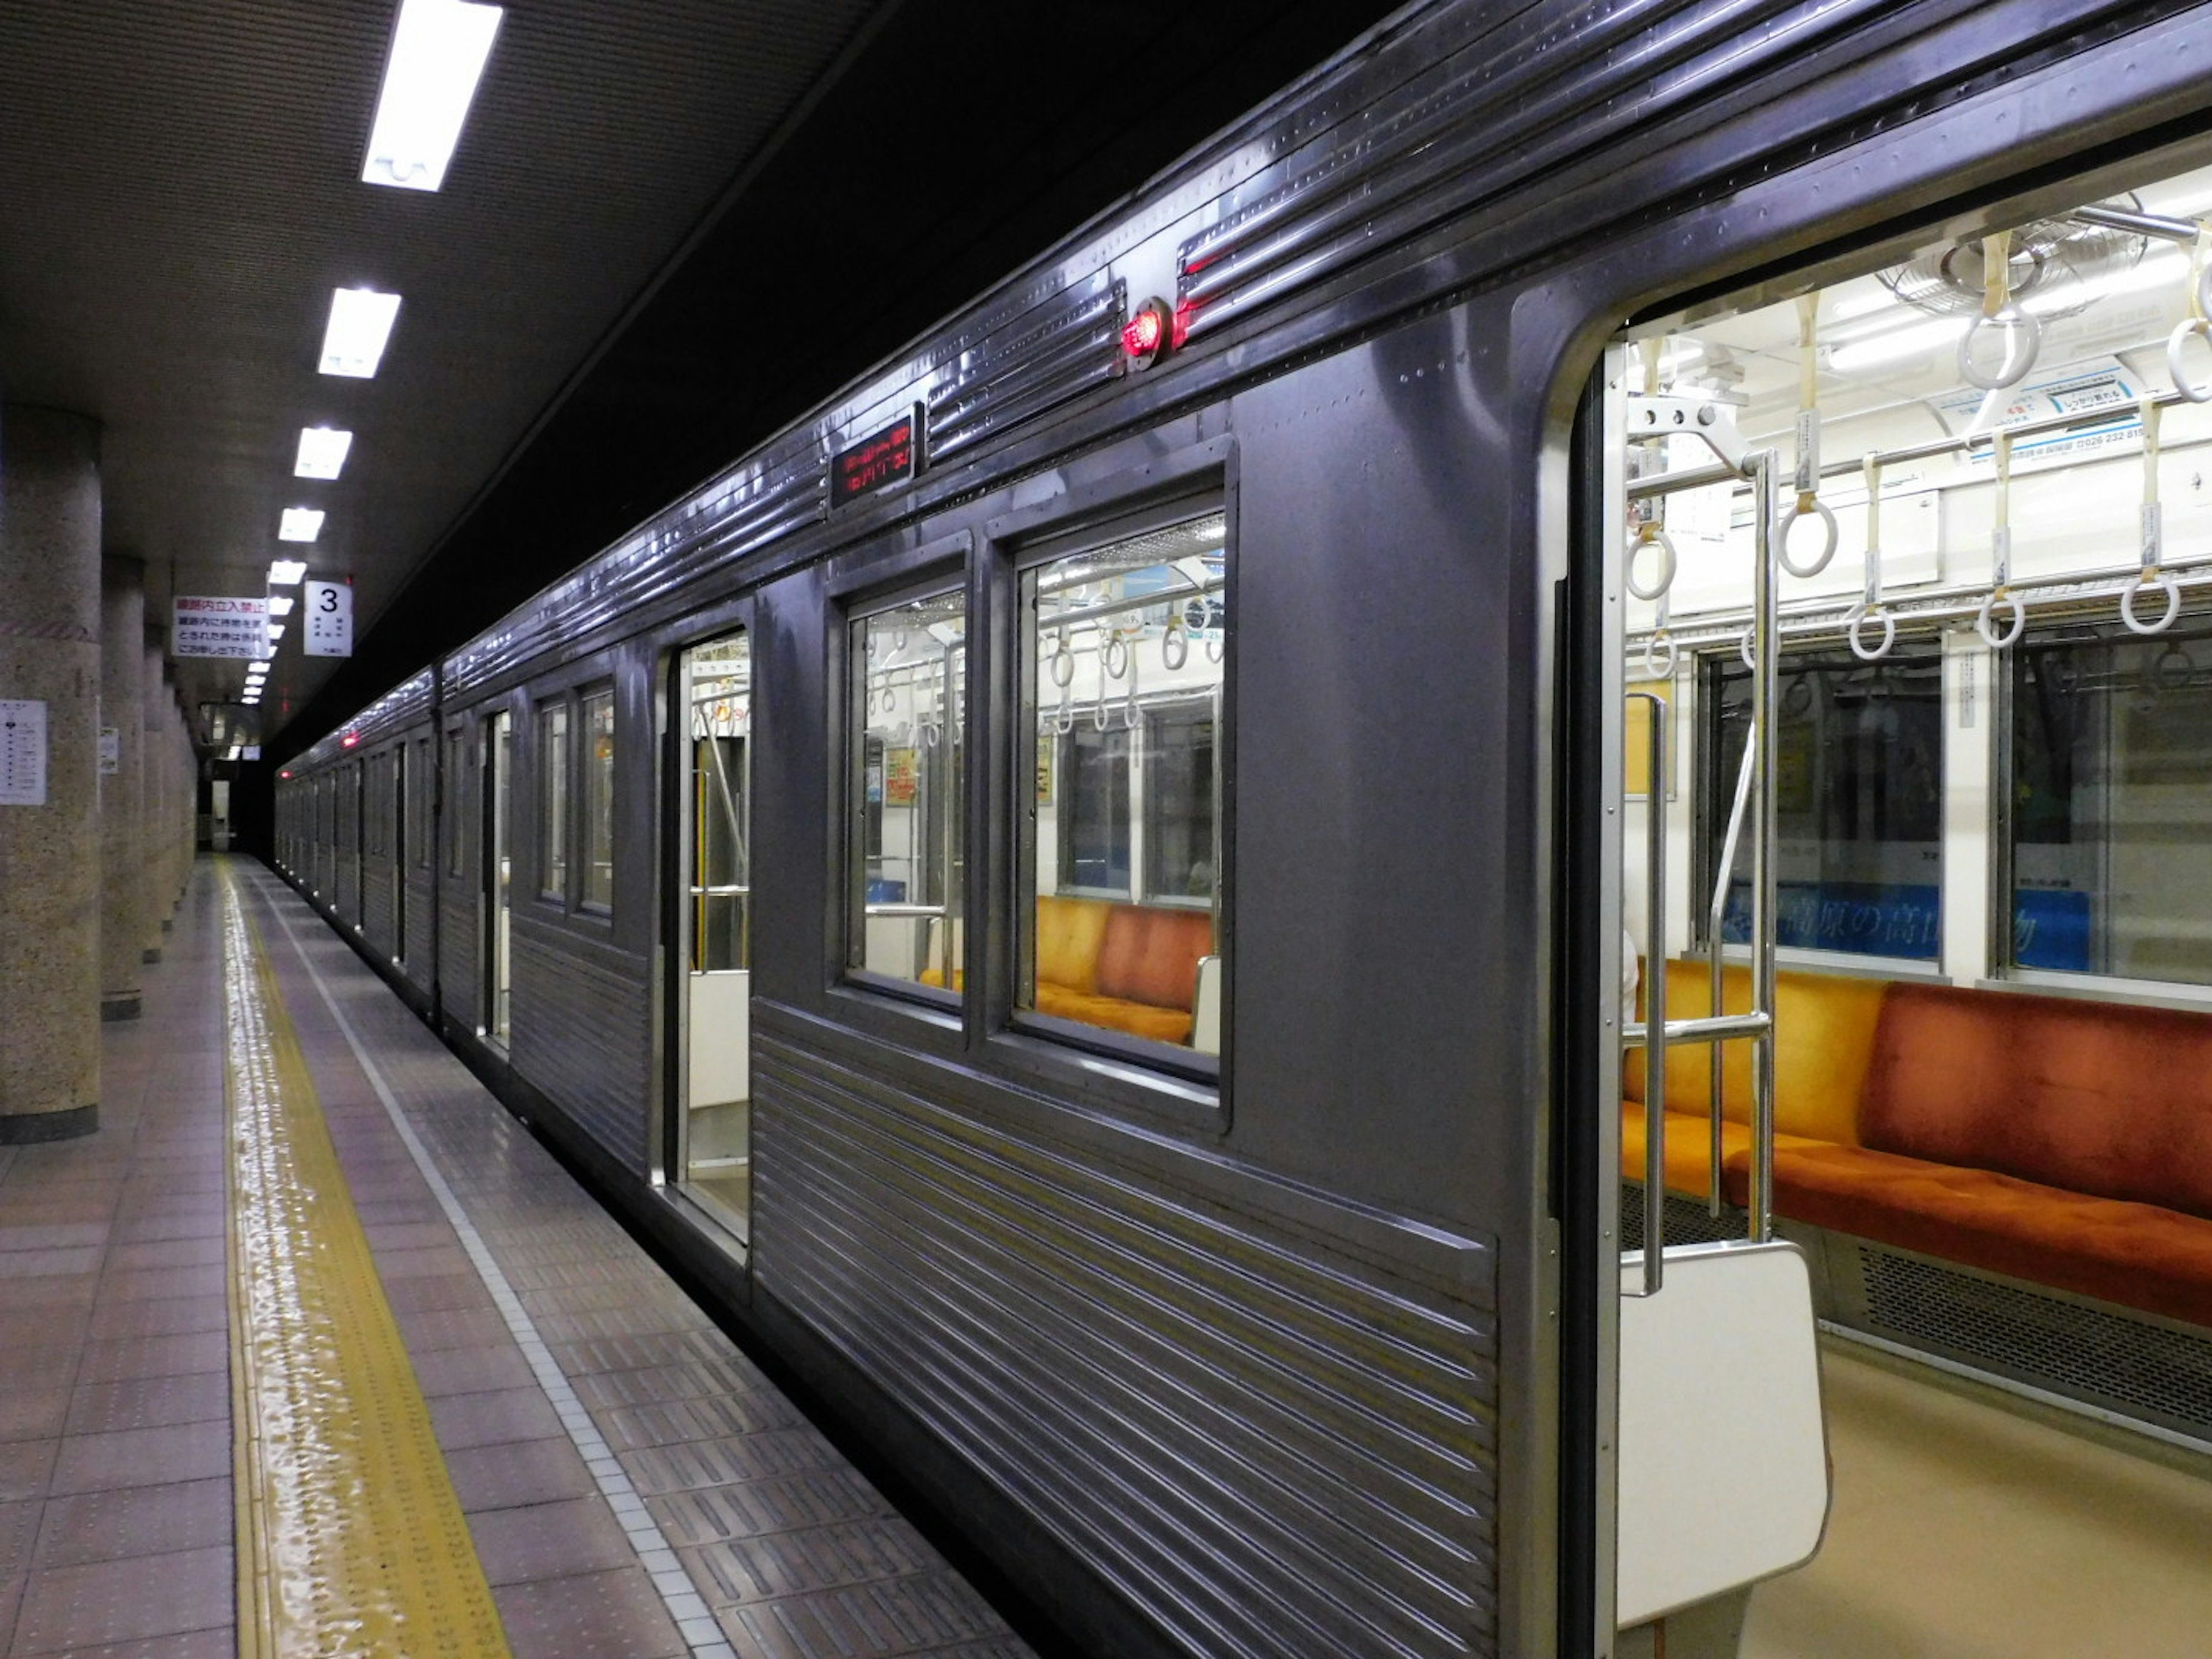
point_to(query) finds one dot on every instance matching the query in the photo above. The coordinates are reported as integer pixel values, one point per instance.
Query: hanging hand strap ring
(1871, 605)
(2001, 559)
(2153, 539)
(1808, 481)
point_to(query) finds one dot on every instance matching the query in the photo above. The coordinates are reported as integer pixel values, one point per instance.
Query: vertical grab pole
(1715, 920)
(1766, 679)
(1655, 1002)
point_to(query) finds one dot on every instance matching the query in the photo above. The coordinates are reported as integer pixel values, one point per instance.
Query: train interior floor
(631, 1485)
(1968, 1525)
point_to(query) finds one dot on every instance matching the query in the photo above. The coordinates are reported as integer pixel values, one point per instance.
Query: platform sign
(220, 627)
(110, 752)
(23, 753)
(329, 631)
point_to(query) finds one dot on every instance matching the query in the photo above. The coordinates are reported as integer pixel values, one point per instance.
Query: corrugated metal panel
(1272, 1446)
(745, 509)
(377, 919)
(459, 973)
(996, 377)
(421, 891)
(581, 1035)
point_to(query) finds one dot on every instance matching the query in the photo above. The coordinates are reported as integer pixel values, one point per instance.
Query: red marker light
(1149, 334)
(349, 739)
(283, 774)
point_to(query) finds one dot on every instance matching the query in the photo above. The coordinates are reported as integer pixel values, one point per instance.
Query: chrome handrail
(1713, 921)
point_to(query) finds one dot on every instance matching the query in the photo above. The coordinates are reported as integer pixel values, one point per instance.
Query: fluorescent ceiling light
(361, 324)
(261, 667)
(287, 572)
(438, 53)
(275, 631)
(280, 605)
(322, 451)
(1916, 340)
(300, 524)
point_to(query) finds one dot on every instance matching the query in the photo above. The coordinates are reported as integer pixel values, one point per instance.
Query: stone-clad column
(122, 785)
(50, 618)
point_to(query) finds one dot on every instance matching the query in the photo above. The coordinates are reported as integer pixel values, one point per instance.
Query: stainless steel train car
(1113, 888)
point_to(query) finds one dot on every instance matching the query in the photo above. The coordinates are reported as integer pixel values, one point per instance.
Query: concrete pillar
(153, 821)
(122, 790)
(50, 618)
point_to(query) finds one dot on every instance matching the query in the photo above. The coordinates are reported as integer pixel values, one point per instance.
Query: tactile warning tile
(350, 1541)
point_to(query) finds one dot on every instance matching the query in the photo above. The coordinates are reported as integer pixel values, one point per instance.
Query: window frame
(940, 570)
(582, 791)
(554, 886)
(1170, 1075)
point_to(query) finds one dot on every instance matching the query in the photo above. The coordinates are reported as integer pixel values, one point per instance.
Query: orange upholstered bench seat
(2136, 1255)
(1130, 968)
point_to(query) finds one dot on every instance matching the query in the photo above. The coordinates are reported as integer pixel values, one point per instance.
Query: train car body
(1273, 1313)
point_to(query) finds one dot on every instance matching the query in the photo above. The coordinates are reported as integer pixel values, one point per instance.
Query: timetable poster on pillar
(328, 632)
(23, 753)
(217, 626)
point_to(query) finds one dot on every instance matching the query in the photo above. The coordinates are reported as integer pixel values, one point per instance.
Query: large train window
(1120, 906)
(553, 799)
(1858, 794)
(908, 667)
(456, 802)
(598, 710)
(2110, 788)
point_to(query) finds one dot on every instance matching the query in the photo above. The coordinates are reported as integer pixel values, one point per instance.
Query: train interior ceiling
(1992, 887)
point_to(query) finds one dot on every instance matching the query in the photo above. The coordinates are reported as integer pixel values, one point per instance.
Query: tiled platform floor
(115, 1500)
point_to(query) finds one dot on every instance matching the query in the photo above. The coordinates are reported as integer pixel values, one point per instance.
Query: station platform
(314, 1349)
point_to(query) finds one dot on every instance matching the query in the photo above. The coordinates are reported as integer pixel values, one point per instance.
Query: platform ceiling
(671, 227)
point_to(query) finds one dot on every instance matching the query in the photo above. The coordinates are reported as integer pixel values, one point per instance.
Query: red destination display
(881, 459)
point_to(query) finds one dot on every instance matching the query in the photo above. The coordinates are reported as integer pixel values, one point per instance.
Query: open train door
(1709, 1430)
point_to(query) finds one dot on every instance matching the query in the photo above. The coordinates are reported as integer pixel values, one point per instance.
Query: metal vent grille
(1687, 1222)
(2129, 1364)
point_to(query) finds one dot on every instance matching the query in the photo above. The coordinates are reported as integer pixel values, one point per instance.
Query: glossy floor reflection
(1966, 1529)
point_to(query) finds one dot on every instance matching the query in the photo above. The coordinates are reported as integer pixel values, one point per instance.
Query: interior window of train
(553, 799)
(907, 694)
(2110, 795)
(419, 802)
(1123, 659)
(1992, 506)
(1858, 795)
(598, 711)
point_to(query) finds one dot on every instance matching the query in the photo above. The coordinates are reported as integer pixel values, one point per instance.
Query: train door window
(419, 797)
(596, 709)
(1122, 665)
(399, 851)
(2111, 787)
(908, 666)
(1858, 792)
(456, 804)
(714, 1123)
(553, 800)
(497, 794)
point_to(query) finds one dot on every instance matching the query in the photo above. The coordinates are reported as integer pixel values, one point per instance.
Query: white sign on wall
(23, 753)
(329, 630)
(110, 752)
(220, 627)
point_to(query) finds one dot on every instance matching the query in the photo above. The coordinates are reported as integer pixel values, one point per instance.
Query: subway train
(1595, 601)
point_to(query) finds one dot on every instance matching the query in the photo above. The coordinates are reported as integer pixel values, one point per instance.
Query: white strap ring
(1743, 647)
(1787, 521)
(2196, 392)
(1174, 645)
(1660, 656)
(1115, 659)
(2163, 583)
(1857, 618)
(1982, 619)
(1665, 543)
(2023, 335)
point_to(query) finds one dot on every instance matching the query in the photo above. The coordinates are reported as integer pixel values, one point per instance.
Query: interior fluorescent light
(438, 53)
(280, 605)
(261, 667)
(322, 451)
(287, 572)
(361, 324)
(276, 632)
(1916, 340)
(300, 524)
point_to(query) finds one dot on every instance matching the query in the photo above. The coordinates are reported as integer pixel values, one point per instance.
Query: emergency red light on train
(349, 739)
(1150, 335)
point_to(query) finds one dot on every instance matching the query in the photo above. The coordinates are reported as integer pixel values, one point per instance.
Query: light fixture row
(439, 51)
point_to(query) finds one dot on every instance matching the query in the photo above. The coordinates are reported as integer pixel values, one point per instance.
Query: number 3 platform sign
(328, 632)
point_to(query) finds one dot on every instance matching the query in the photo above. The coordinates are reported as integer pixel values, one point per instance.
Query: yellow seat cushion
(1069, 932)
(1689, 1150)
(1116, 1014)
(1824, 1030)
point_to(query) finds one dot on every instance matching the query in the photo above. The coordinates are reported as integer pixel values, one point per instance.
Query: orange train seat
(1130, 968)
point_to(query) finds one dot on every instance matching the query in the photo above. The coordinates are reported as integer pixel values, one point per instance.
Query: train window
(418, 800)
(1859, 789)
(457, 817)
(2111, 782)
(908, 696)
(1123, 648)
(553, 799)
(598, 710)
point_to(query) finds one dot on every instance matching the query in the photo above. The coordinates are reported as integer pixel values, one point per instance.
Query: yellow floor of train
(1966, 1529)
(350, 1539)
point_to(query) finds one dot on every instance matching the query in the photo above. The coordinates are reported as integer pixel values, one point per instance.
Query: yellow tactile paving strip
(350, 1541)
